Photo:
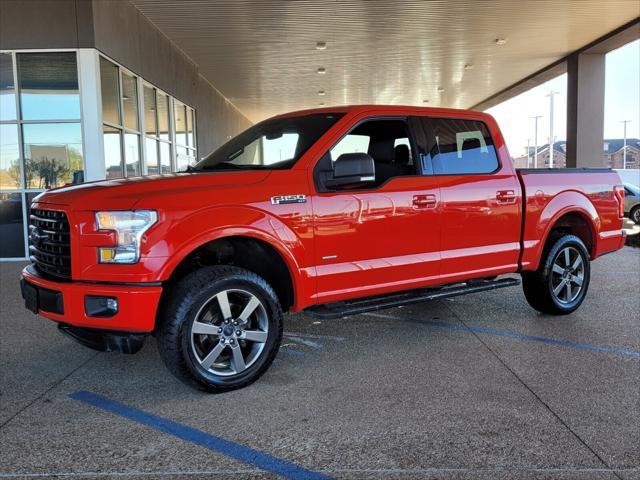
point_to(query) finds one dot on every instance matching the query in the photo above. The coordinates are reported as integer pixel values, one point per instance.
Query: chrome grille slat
(51, 254)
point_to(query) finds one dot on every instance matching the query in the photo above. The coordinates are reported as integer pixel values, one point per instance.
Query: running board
(381, 302)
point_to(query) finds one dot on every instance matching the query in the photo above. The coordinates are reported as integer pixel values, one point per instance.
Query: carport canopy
(269, 57)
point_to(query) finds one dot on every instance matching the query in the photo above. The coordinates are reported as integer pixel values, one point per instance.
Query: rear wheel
(560, 284)
(220, 329)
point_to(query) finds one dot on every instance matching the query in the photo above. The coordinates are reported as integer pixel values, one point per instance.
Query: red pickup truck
(332, 211)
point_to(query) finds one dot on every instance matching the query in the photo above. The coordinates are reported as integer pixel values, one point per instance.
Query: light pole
(535, 141)
(528, 152)
(624, 145)
(551, 94)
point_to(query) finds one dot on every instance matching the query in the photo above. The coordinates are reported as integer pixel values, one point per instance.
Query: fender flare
(284, 244)
(568, 202)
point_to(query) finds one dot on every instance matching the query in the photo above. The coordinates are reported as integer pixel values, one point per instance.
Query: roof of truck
(391, 109)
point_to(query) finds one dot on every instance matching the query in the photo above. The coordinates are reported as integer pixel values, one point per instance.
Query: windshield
(272, 144)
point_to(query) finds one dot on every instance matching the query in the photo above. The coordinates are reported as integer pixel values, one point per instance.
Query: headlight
(129, 226)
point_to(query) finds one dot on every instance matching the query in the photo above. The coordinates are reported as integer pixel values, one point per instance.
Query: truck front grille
(50, 242)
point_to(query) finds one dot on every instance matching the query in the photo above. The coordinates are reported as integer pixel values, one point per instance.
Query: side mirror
(352, 169)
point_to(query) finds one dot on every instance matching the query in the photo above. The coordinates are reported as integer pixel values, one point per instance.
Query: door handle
(425, 201)
(506, 196)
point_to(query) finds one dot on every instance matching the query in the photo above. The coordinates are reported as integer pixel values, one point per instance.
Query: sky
(622, 102)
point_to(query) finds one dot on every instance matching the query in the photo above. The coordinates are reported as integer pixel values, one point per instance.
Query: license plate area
(37, 298)
(30, 295)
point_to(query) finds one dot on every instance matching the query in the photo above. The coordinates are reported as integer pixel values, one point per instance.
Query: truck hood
(124, 193)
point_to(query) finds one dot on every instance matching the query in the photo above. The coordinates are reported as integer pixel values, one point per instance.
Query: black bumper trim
(105, 340)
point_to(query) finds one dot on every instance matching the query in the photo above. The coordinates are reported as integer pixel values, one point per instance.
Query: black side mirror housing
(352, 169)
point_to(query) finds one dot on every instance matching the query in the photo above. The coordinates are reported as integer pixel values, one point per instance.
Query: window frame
(142, 135)
(430, 136)
(22, 189)
(413, 146)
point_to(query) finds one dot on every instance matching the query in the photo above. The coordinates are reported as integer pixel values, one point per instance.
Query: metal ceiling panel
(262, 55)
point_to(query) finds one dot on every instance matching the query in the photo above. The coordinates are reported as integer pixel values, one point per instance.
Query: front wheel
(220, 329)
(561, 282)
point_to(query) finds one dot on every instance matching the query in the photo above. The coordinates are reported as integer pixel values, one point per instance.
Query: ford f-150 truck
(330, 211)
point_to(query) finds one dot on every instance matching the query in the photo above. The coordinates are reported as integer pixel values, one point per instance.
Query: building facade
(612, 155)
(92, 86)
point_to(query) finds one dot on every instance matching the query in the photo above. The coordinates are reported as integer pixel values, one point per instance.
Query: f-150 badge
(282, 199)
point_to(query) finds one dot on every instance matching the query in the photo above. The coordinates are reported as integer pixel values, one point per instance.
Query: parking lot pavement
(475, 387)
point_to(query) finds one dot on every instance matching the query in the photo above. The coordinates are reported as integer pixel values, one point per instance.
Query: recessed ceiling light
(322, 70)
(500, 41)
(321, 45)
(321, 92)
(468, 66)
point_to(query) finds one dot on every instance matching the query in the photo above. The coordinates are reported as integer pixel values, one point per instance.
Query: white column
(91, 101)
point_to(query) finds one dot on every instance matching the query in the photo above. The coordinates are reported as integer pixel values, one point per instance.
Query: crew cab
(334, 212)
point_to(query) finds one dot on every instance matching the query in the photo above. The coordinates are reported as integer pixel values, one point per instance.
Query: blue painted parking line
(236, 451)
(518, 336)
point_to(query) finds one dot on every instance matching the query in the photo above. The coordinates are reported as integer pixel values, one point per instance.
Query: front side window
(272, 144)
(459, 147)
(386, 141)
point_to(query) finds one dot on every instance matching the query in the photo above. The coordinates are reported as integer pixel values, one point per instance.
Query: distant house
(612, 154)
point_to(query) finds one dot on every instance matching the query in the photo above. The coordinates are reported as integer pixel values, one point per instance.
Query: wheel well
(244, 252)
(575, 224)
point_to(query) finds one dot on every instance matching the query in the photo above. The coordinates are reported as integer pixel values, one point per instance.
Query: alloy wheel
(229, 332)
(567, 277)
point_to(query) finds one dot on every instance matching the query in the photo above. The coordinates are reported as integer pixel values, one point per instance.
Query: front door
(382, 236)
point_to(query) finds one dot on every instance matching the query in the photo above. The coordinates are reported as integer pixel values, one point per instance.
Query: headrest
(402, 154)
(382, 151)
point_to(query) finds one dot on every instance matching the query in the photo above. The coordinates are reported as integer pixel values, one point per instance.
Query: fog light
(102, 307)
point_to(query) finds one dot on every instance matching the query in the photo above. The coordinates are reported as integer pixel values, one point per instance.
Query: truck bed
(548, 194)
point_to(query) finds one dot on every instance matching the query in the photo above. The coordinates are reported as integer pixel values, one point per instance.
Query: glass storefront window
(150, 122)
(152, 155)
(52, 152)
(181, 123)
(184, 158)
(112, 152)
(48, 86)
(165, 157)
(7, 88)
(132, 154)
(11, 226)
(130, 101)
(190, 123)
(163, 116)
(10, 171)
(110, 88)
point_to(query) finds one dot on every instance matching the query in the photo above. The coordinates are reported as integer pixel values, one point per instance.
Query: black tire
(539, 286)
(185, 302)
(634, 214)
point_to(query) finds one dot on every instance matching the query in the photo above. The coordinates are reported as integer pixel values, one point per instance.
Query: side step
(380, 302)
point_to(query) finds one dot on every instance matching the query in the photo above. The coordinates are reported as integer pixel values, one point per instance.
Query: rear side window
(461, 147)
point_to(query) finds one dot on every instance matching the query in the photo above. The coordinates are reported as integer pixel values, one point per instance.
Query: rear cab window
(452, 146)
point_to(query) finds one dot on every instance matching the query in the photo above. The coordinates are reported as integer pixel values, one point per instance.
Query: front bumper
(64, 302)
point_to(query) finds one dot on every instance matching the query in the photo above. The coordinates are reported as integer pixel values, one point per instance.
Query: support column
(585, 109)
(91, 101)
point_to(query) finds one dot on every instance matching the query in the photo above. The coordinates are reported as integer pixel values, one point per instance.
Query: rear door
(480, 199)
